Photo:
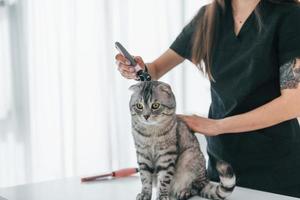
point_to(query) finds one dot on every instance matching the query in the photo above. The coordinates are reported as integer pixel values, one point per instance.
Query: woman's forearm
(163, 64)
(152, 70)
(280, 109)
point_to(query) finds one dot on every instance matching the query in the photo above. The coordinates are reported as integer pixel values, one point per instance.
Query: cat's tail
(226, 185)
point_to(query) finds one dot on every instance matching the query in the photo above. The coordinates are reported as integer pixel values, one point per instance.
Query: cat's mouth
(148, 121)
(153, 120)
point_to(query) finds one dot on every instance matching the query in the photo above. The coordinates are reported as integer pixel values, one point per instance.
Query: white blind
(5, 72)
(77, 119)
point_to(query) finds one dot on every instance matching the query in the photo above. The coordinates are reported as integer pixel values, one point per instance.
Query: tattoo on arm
(290, 74)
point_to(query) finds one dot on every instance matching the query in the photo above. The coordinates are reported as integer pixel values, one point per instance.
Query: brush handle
(117, 174)
(124, 172)
(125, 53)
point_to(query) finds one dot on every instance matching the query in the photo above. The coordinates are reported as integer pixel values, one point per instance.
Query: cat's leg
(165, 172)
(190, 168)
(146, 179)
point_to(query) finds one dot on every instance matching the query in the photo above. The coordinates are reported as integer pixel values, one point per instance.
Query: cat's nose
(146, 117)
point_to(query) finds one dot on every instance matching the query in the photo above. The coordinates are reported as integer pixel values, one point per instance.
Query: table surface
(123, 188)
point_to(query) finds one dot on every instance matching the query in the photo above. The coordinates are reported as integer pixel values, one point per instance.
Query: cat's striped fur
(168, 152)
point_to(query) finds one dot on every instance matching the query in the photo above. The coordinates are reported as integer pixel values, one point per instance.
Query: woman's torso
(246, 73)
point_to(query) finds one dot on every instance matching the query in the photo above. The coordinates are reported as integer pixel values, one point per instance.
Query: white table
(119, 189)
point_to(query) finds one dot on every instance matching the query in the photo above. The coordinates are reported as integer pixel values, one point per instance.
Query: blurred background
(63, 105)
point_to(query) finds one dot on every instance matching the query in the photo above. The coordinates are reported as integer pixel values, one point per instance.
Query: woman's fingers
(190, 120)
(139, 61)
(119, 57)
(124, 67)
(126, 73)
(203, 125)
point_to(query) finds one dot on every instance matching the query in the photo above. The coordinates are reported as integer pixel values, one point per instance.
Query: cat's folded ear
(165, 88)
(134, 87)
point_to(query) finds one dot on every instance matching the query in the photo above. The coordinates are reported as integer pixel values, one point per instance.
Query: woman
(251, 51)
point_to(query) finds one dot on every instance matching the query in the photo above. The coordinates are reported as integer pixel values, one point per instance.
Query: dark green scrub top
(246, 72)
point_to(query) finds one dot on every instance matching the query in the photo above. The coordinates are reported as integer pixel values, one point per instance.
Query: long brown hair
(204, 36)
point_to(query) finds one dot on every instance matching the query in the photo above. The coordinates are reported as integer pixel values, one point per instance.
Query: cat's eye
(139, 106)
(155, 106)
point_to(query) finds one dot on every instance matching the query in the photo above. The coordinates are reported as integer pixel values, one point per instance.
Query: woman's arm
(164, 63)
(283, 108)
(156, 69)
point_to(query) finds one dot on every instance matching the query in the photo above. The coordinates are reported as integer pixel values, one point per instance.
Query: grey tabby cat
(168, 152)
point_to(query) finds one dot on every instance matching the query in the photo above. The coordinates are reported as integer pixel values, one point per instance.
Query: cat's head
(152, 102)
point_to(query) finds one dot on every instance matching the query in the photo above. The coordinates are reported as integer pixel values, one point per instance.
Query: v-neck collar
(250, 19)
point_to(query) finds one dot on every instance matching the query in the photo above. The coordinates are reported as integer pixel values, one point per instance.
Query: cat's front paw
(143, 196)
(184, 194)
(162, 197)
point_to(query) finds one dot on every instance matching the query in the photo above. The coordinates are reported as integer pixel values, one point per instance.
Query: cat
(168, 152)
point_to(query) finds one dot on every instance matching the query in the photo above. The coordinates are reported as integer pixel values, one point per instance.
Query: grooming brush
(142, 75)
(115, 174)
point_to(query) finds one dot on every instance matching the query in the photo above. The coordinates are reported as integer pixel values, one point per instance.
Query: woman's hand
(205, 126)
(124, 67)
